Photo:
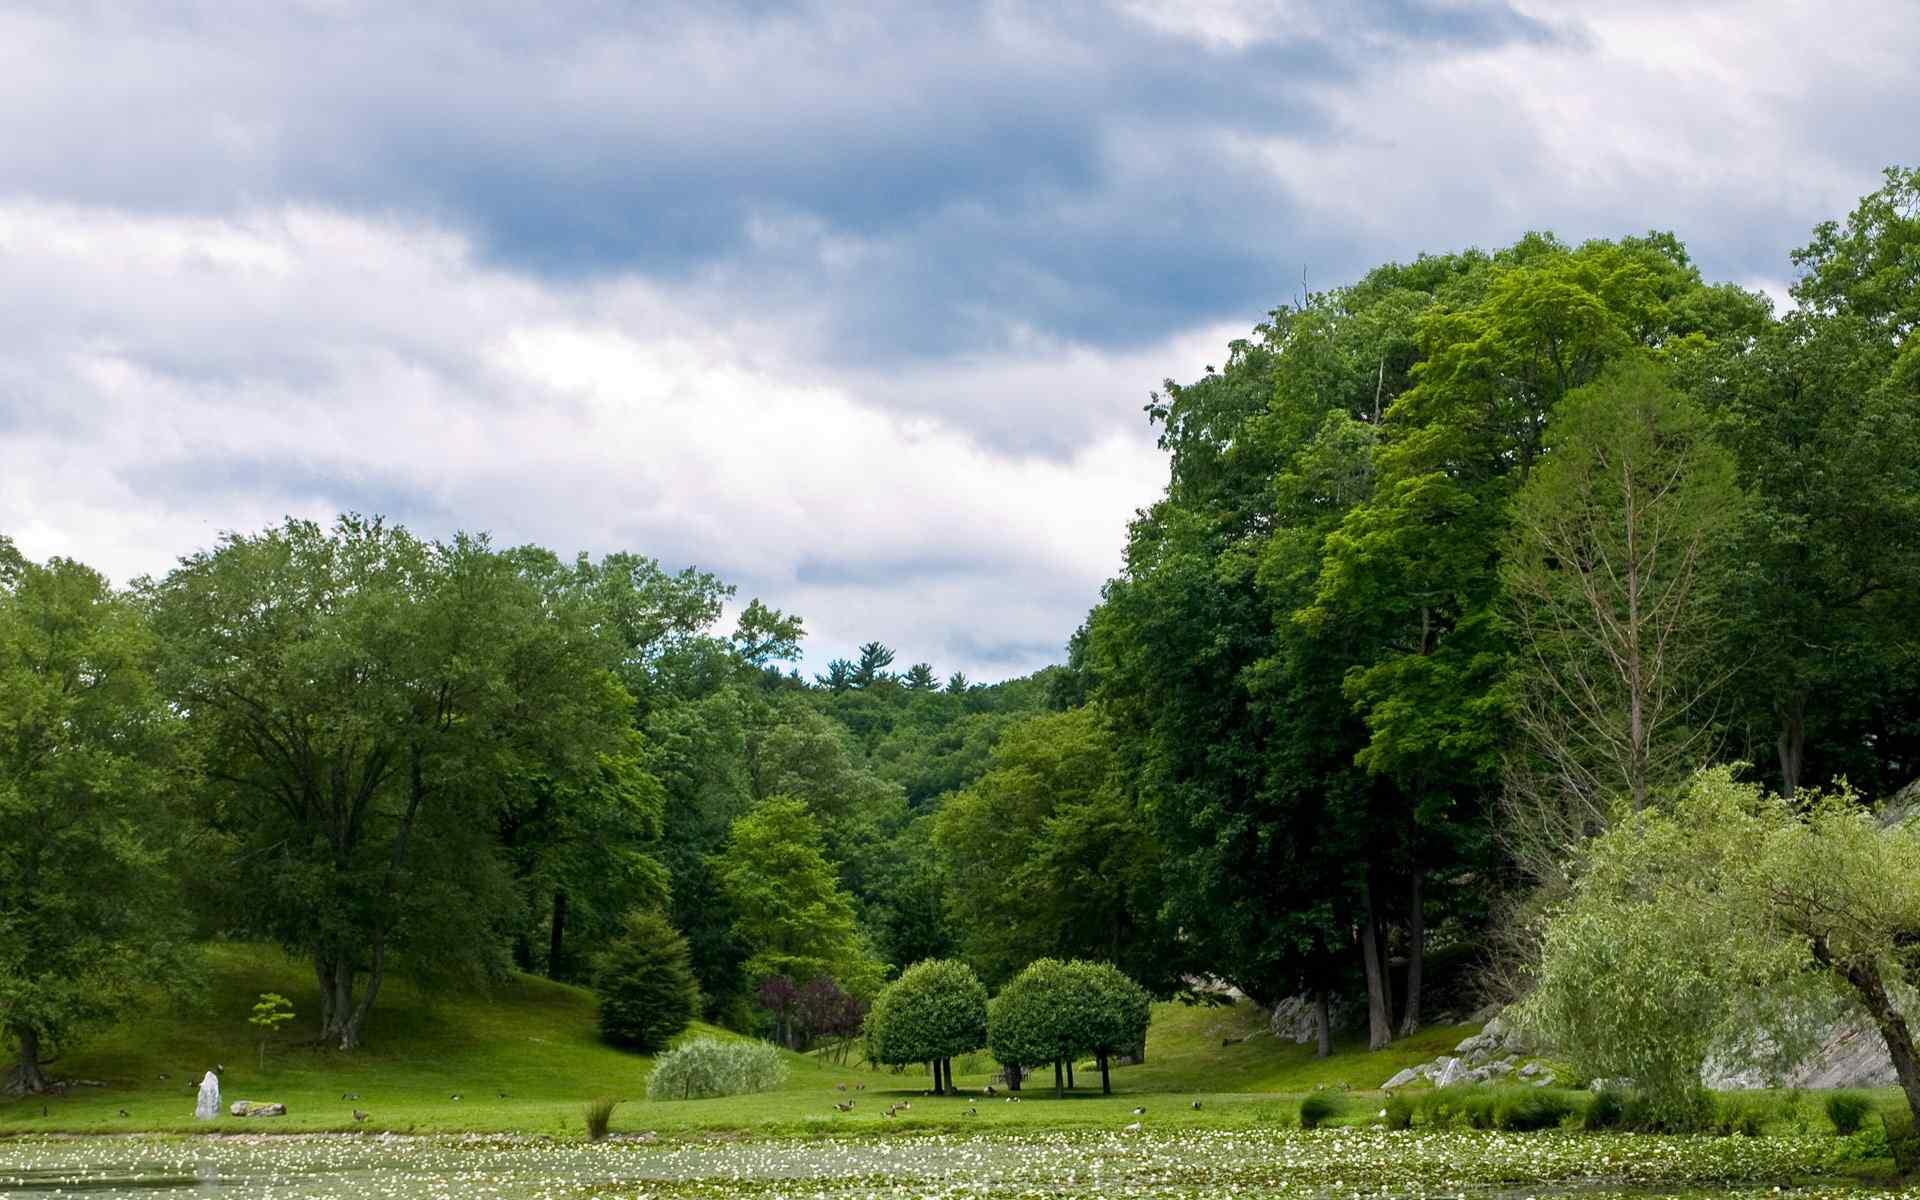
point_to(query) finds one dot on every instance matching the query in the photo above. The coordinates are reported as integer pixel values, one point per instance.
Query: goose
(1140, 1110)
(359, 1114)
(1196, 1106)
(847, 1107)
(123, 1112)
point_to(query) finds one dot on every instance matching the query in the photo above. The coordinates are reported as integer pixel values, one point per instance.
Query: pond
(1191, 1163)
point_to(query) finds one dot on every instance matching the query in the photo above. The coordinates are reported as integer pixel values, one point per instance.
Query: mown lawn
(525, 1057)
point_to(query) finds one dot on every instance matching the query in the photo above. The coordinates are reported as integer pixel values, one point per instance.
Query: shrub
(1742, 1115)
(598, 1114)
(1399, 1113)
(646, 985)
(1524, 1110)
(1318, 1108)
(1903, 1142)
(709, 1067)
(1478, 1106)
(1607, 1110)
(1848, 1112)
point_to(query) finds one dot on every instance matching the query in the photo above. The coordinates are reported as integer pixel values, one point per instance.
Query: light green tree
(1615, 563)
(1031, 1022)
(935, 1010)
(91, 760)
(270, 1012)
(1111, 1013)
(791, 914)
(1717, 924)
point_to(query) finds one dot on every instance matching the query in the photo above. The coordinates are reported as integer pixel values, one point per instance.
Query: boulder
(247, 1108)
(1401, 1079)
(1452, 1071)
(1530, 1070)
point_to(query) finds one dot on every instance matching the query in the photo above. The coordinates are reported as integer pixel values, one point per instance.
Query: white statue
(209, 1106)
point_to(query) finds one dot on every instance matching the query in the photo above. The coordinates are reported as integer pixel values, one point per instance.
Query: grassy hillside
(526, 1056)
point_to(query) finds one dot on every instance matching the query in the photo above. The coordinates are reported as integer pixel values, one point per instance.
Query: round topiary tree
(645, 981)
(1031, 1022)
(1111, 1012)
(935, 1010)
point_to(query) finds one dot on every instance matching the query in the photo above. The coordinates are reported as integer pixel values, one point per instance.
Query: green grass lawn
(525, 1057)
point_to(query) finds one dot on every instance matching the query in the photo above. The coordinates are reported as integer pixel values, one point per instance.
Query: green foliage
(1606, 1110)
(1399, 1112)
(645, 984)
(597, 1115)
(789, 909)
(1112, 1011)
(1049, 854)
(1848, 1111)
(92, 764)
(1031, 1021)
(706, 1067)
(1318, 1108)
(270, 1012)
(1526, 1109)
(935, 1010)
(1903, 1140)
(368, 701)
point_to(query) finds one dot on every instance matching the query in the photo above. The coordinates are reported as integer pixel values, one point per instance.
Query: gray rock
(1543, 1081)
(1451, 1072)
(247, 1108)
(1401, 1079)
(1530, 1070)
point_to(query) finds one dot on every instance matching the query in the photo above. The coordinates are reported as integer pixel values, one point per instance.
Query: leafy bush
(1686, 1112)
(1524, 1110)
(1607, 1110)
(645, 981)
(935, 1010)
(1848, 1112)
(599, 1114)
(1903, 1142)
(709, 1067)
(1478, 1106)
(1742, 1115)
(1399, 1113)
(1318, 1108)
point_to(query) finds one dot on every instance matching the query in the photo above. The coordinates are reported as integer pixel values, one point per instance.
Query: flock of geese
(973, 1110)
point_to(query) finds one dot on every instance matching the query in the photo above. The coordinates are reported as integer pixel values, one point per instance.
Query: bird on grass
(847, 1107)
(504, 1096)
(1196, 1106)
(859, 1087)
(455, 1096)
(972, 1111)
(839, 1087)
(892, 1109)
(359, 1114)
(990, 1090)
(123, 1112)
(349, 1095)
(1140, 1110)
(164, 1077)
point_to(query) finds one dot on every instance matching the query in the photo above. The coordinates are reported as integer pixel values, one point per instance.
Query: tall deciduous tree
(369, 701)
(789, 910)
(935, 1010)
(91, 760)
(1616, 559)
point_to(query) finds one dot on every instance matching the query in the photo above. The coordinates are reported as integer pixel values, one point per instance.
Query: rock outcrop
(247, 1108)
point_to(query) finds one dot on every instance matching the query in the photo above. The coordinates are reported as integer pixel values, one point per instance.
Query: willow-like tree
(369, 703)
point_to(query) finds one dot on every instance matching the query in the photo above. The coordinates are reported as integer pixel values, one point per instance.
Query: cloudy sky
(854, 304)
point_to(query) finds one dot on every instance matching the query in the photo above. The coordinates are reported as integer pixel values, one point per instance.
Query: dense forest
(1457, 567)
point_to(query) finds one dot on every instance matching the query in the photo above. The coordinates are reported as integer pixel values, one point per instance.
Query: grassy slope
(535, 1041)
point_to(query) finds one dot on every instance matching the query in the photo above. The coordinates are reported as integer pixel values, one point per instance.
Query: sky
(855, 305)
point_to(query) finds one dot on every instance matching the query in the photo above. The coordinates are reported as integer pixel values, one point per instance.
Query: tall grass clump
(1399, 1113)
(1607, 1110)
(599, 1114)
(1317, 1109)
(1525, 1110)
(1848, 1112)
(706, 1067)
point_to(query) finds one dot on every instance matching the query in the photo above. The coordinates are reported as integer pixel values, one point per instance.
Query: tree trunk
(1013, 1077)
(1322, 1024)
(26, 1078)
(1866, 980)
(1416, 952)
(556, 936)
(1069, 1072)
(1106, 1084)
(1059, 1089)
(1379, 1018)
(1792, 744)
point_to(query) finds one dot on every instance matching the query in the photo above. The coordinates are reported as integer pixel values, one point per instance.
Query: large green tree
(92, 763)
(370, 703)
(935, 1010)
(790, 912)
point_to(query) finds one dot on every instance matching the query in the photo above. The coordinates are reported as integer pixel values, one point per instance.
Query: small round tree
(646, 985)
(1112, 1012)
(935, 1010)
(1031, 1022)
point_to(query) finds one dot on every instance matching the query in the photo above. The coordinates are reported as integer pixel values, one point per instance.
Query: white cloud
(216, 374)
